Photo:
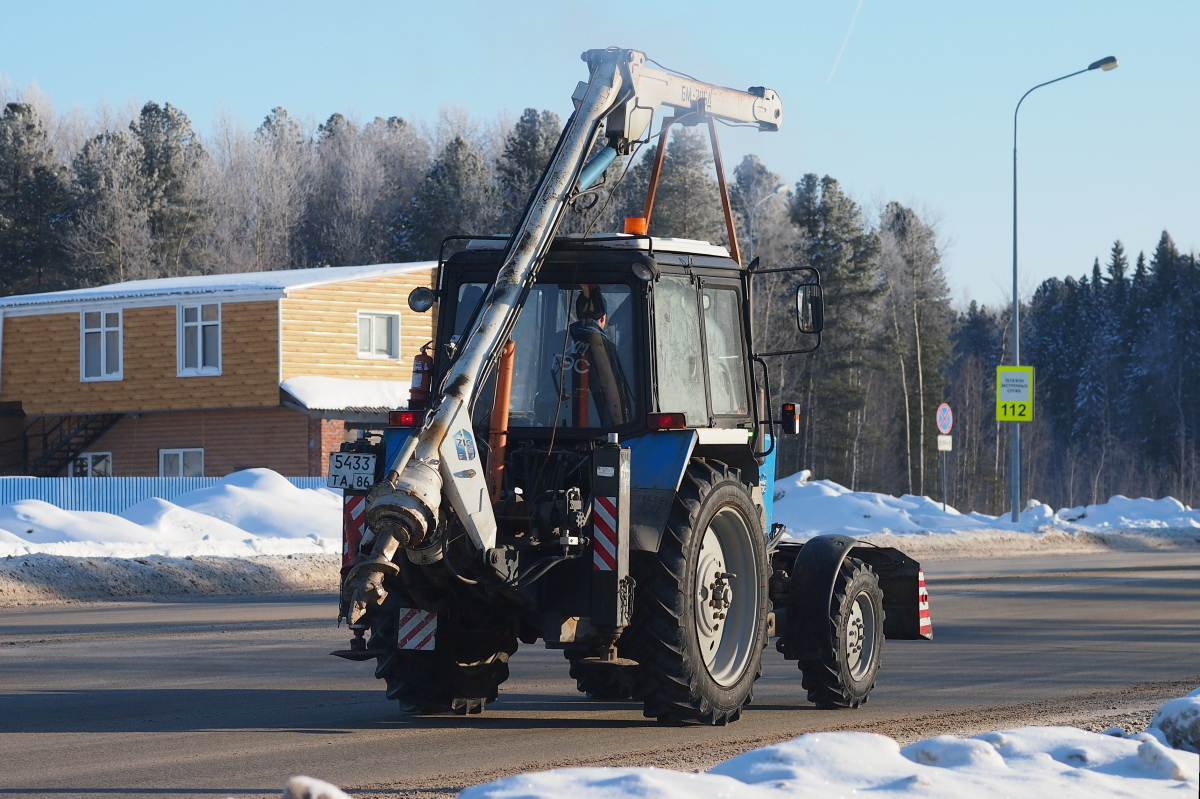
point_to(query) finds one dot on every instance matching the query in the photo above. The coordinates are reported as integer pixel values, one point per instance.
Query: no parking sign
(945, 419)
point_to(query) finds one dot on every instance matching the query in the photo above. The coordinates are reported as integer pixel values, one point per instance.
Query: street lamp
(779, 189)
(1104, 64)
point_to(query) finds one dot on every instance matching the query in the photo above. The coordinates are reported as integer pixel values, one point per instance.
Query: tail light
(666, 421)
(790, 420)
(403, 418)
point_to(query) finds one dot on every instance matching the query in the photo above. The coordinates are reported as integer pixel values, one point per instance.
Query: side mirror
(421, 299)
(810, 308)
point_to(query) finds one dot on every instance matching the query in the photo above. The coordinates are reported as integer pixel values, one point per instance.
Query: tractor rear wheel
(856, 623)
(461, 675)
(700, 611)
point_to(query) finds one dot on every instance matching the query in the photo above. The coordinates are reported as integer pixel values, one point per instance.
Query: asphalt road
(231, 697)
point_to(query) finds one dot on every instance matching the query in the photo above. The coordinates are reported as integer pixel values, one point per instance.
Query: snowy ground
(1063, 762)
(920, 525)
(255, 532)
(254, 512)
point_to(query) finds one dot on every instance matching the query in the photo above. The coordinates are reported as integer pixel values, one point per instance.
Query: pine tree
(179, 218)
(752, 195)
(688, 202)
(32, 205)
(458, 196)
(109, 237)
(834, 239)
(527, 149)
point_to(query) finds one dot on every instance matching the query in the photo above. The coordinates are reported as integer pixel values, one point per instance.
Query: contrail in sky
(845, 41)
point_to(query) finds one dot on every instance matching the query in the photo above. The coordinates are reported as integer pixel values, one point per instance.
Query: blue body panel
(657, 460)
(766, 481)
(394, 438)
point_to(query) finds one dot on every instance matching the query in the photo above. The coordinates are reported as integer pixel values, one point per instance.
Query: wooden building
(205, 375)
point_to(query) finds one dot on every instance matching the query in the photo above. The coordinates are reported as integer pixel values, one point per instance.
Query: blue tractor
(594, 465)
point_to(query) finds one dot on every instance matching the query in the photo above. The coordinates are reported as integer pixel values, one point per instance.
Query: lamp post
(780, 188)
(1104, 64)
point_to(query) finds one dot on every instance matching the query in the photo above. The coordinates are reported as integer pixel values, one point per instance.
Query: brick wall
(275, 438)
(324, 436)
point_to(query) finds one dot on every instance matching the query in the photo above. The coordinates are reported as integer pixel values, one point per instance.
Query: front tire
(701, 608)
(856, 622)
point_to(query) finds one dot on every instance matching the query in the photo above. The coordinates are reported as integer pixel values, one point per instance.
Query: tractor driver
(605, 377)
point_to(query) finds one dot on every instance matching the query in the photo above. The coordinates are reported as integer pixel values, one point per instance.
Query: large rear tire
(700, 611)
(856, 622)
(461, 675)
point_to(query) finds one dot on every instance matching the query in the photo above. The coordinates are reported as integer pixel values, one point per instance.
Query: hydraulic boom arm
(623, 94)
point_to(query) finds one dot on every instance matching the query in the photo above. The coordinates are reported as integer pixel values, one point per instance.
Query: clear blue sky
(919, 107)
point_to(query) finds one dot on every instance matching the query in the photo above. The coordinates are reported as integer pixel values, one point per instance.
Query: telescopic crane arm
(623, 94)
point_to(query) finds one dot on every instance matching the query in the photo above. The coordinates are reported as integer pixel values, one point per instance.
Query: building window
(181, 462)
(92, 464)
(378, 335)
(200, 339)
(100, 345)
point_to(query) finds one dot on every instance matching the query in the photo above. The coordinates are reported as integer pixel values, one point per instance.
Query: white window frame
(83, 330)
(89, 456)
(180, 452)
(394, 355)
(180, 337)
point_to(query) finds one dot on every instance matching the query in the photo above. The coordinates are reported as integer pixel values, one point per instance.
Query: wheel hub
(855, 630)
(726, 604)
(860, 635)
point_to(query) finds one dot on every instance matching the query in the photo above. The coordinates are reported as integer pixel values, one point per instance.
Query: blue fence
(111, 494)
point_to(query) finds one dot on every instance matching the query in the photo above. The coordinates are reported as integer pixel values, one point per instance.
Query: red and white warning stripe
(417, 629)
(604, 524)
(923, 606)
(354, 521)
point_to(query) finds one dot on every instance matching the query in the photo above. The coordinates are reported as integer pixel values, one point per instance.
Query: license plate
(351, 470)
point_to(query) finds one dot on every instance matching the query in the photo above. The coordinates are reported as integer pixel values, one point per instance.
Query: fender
(658, 461)
(807, 635)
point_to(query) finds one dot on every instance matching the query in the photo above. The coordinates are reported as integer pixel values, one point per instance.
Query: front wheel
(701, 607)
(856, 621)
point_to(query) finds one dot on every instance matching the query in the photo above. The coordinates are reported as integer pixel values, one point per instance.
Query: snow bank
(253, 512)
(1032, 761)
(813, 507)
(1179, 722)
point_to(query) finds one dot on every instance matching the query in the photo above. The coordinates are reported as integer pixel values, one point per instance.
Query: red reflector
(403, 418)
(666, 421)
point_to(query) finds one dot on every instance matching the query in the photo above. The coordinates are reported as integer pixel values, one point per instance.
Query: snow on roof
(622, 241)
(317, 393)
(277, 283)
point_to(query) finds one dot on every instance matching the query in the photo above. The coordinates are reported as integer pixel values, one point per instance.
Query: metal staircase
(51, 442)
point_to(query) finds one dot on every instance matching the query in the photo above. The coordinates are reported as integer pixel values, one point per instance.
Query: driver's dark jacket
(606, 378)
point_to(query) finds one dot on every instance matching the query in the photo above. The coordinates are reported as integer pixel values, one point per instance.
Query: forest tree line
(93, 199)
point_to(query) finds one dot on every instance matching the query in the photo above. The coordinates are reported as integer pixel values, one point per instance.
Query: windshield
(575, 359)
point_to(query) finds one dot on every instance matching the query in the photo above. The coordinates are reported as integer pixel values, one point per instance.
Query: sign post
(945, 423)
(1014, 403)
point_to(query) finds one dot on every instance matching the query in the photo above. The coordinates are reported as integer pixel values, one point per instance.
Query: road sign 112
(1014, 393)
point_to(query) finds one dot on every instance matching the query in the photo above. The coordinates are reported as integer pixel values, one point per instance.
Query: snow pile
(813, 507)
(1178, 721)
(252, 512)
(1032, 761)
(337, 393)
(302, 787)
